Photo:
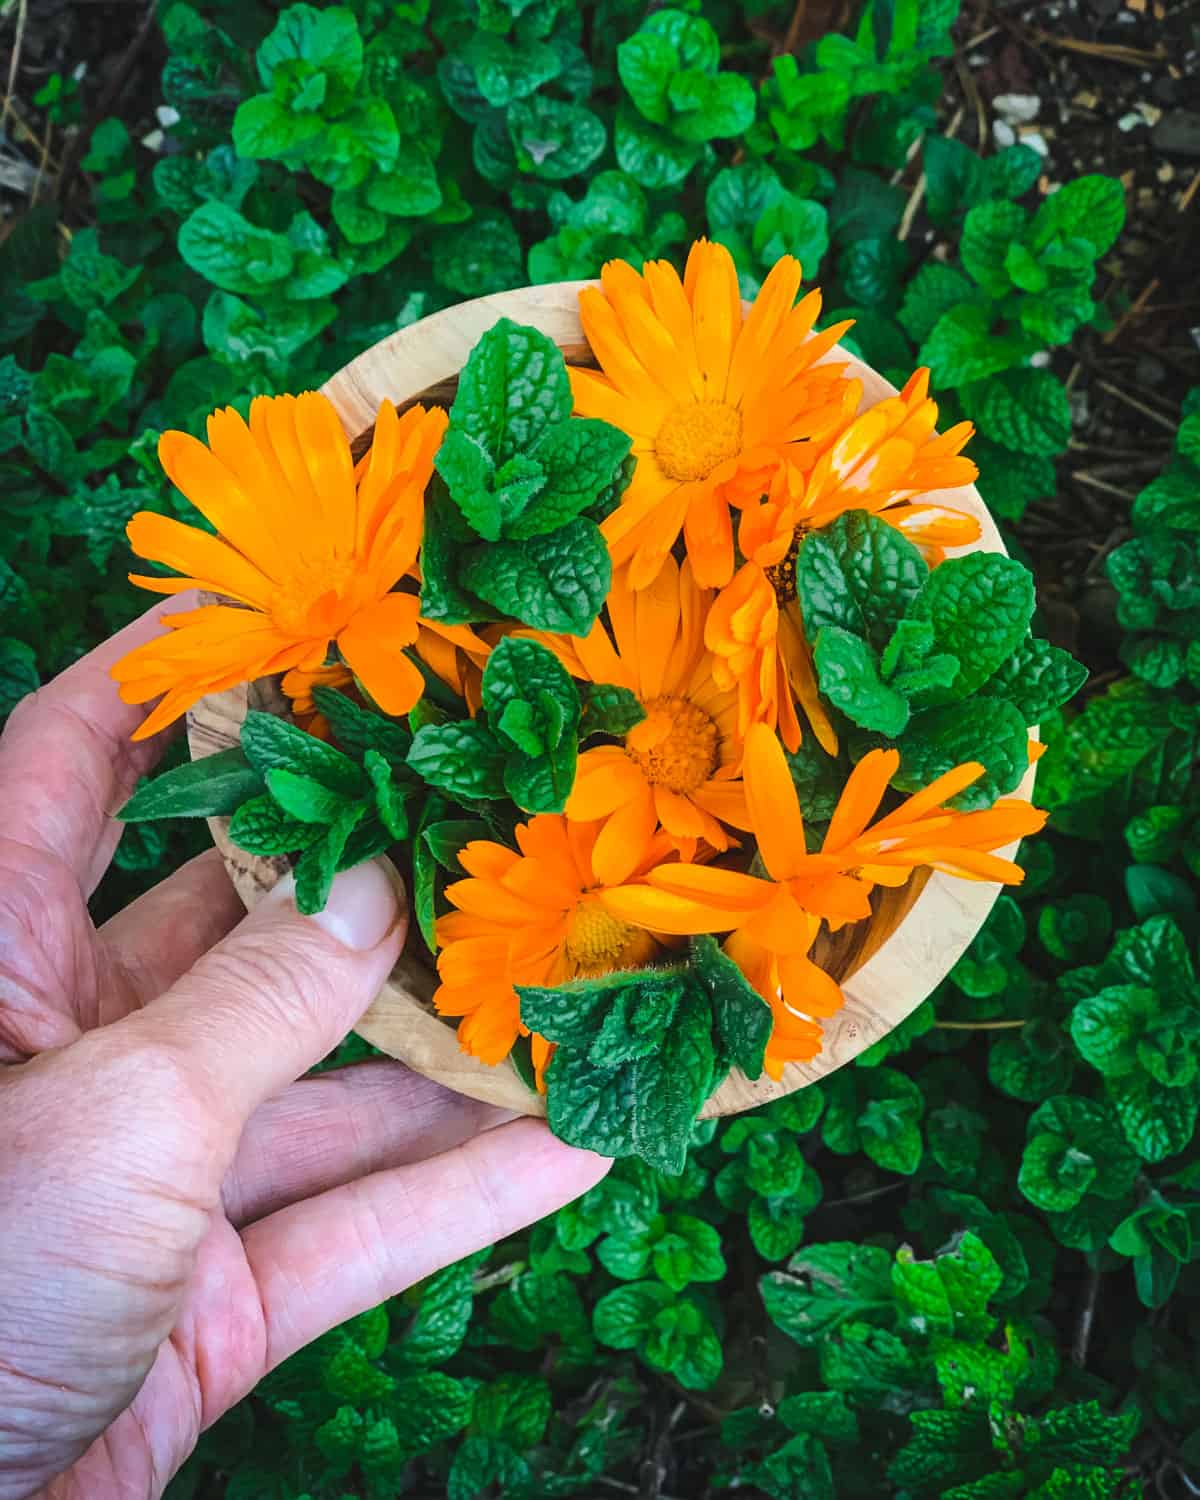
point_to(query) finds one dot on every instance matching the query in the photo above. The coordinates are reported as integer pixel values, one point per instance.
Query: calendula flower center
(676, 744)
(314, 600)
(697, 438)
(782, 575)
(596, 940)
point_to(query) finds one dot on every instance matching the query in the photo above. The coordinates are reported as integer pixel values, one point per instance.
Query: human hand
(177, 1213)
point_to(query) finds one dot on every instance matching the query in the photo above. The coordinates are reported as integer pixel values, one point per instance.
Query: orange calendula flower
(533, 917)
(877, 462)
(773, 922)
(680, 765)
(712, 398)
(308, 549)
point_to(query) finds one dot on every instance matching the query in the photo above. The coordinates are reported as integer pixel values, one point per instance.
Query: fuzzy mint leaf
(271, 743)
(859, 574)
(579, 458)
(609, 709)
(321, 861)
(303, 798)
(464, 759)
(1036, 678)
(643, 1108)
(522, 672)
(742, 1017)
(261, 827)
(980, 607)
(361, 729)
(556, 582)
(849, 678)
(389, 797)
(989, 730)
(513, 387)
(443, 596)
(827, 1286)
(211, 787)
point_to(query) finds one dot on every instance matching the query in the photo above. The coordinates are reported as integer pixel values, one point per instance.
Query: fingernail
(364, 904)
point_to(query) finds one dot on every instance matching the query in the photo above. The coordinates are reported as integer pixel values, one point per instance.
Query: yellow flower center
(676, 744)
(596, 940)
(316, 599)
(695, 439)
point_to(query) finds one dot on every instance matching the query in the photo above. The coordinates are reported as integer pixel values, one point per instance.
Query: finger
(67, 762)
(328, 1130)
(274, 997)
(318, 1263)
(158, 937)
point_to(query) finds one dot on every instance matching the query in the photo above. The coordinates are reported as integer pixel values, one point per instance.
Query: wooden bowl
(886, 966)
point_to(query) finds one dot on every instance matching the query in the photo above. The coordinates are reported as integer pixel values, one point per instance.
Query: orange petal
(373, 646)
(772, 802)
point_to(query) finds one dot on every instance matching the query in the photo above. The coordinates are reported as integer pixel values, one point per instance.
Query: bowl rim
(938, 917)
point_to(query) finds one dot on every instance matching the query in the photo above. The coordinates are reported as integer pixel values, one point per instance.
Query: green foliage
(873, 1286)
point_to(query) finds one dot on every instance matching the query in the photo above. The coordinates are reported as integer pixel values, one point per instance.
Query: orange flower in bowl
(680, 767)
(712, 399)
(533, 917)
(308, 548)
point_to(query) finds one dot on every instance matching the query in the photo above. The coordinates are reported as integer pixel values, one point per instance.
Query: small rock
(1003, 133)
(1129, 122)
(1178, 132)
(1036, 141)
(167, 116)
(1017, 109)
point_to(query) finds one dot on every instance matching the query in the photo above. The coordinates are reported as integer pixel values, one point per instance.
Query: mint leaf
(1036, 678)
(556, 582)
(272, 743)
(1025, 410)
(464, 759)
(988, 231)
(210, 787)
(858, 574)
(261, 827)
(303, 798)
(579, 458)
(826, 1286)
(609, 709)
(321, 861)
(848, 674)
(1090, 208)
(989, 730)
(513, 387)
(361, 729)
(742, 1017)
(980, 607)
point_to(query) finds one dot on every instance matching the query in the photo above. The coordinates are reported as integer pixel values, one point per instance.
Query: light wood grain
(886, 967)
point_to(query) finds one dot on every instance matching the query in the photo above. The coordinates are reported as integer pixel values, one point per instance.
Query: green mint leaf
(261, 827)
(464, 759)
(742, 1017)
(556, 582)
(1107, 1028)
(849, 678)
(637, 1019)
(225, 248)
(827, 1286)
(963, 346)
(271, 743)
(980, 607)
(609, 709)
(389, 796)
(988, 231)
(513, 387)
(1090, 208)
(360, 729)
(579, 458)
(524, 672)
(542, 783)
(1036, 678)
(321, 861)
(858, 574)
(646, 63)
(650, 153)
(211, 787)
(934, 290)
(513, 1407)
(303, 798)
(989, 730)
(443, 597)
(1026, 411)
(470, 477)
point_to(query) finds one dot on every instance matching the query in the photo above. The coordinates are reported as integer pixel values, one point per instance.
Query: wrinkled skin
(177, 1213)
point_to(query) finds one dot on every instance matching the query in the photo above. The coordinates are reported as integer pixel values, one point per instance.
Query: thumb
(280, 991)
